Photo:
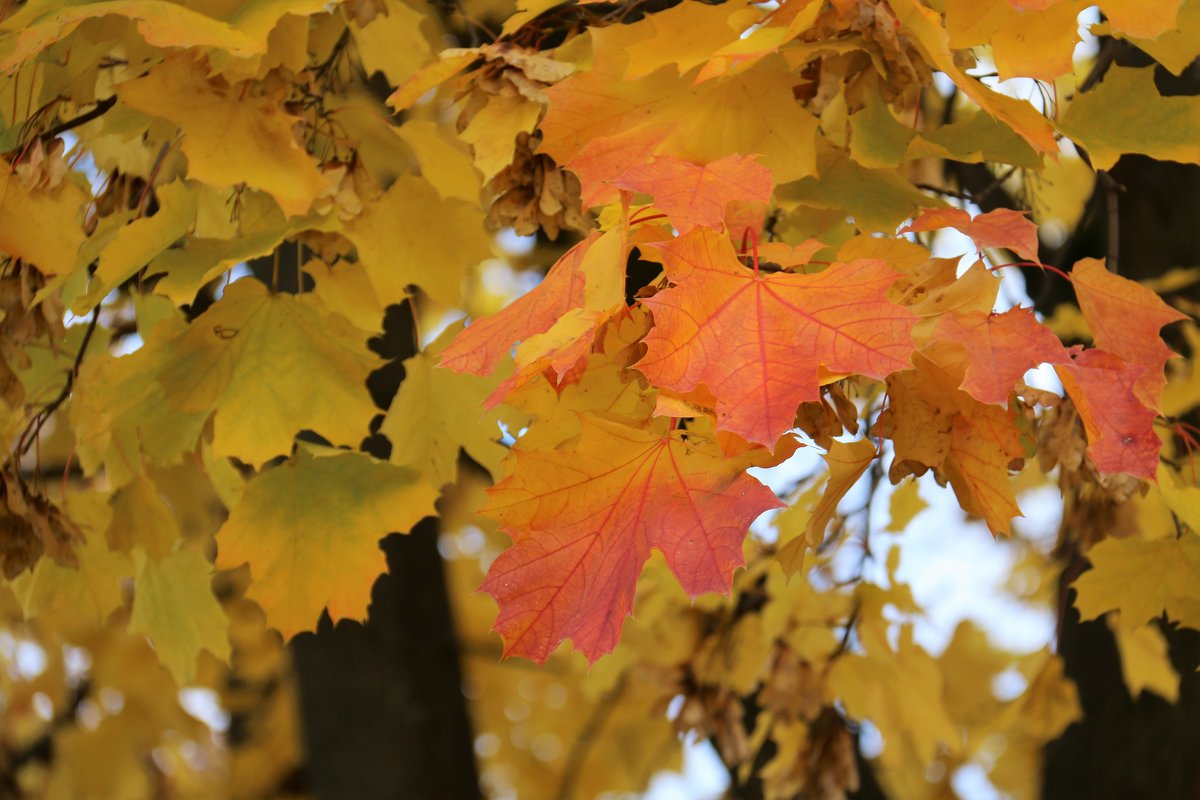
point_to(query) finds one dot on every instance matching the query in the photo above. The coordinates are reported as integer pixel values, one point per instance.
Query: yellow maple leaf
(900, 691)
(213, 117)
(437, 411)
(174, 606)
(137, 243)
(1126, 114)
(1144, 659)
(411, 236)
(29, 214)
(84, 594)
(310, 531)
(250, 357)
(1141, 578)
(120, 415)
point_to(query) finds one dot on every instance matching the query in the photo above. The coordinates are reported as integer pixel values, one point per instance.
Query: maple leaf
(902, 691)
(437, 411)
(999, 349)
(310, 531)
(1126, 114)
(1000, 228)
(29, 213)
(407, 228)
(933, 424)
(121, 409)
(583, 523)
(588, 276)
(135, 245)
(211, 116)
(1120, 428)
(247, 357)
(156, 151)
(174, 606)
(695, 195)
(165, 26)
(606, 385)
(1031, 45)
(89, 591)
(925, 26)
(1125, 318)
(847, 461)
(759, 341)
(1141, 578)
(1145, 662)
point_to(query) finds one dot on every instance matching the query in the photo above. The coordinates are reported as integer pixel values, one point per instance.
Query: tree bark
(1126, 747)
(381, 703)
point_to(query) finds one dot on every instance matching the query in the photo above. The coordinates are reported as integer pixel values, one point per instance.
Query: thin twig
(33, 431)
(587, 736)
(1113, 207)
(101, 108)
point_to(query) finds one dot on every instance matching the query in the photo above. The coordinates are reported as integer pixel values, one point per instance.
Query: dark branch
(35, 427)
(101, 108)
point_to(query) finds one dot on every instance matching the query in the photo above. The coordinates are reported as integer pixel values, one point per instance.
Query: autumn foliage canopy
(760, 260)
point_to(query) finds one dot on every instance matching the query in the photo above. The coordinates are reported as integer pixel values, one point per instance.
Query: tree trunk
(381, 703)
(1126, 747)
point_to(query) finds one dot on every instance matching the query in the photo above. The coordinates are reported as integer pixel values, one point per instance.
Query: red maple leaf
(758, 341)
(480, 346)
(583, 522)
(1000, 348)
(1125, 318)
(1000, 228)
(694, 195)
(1120, 428)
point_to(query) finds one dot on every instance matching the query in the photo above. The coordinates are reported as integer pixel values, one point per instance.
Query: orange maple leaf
(583, 522)
(695, 195)
(757, 341)
(999, 348)
(1119, 426)
(479, 347)
(934, 425)
(1000, 228)
(1125, 318)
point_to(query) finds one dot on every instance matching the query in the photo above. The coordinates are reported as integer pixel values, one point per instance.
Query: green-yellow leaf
(254, 357)
(310, 531)
(877, 138)
(879, 200)
(174, 606)
(261, 228)
(140, 518)
(436, 412)
(1126, 114)
(135, 244)
(120, 414)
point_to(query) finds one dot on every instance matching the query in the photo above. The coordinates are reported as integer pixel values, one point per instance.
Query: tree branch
(587, 736)
(101, 108)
